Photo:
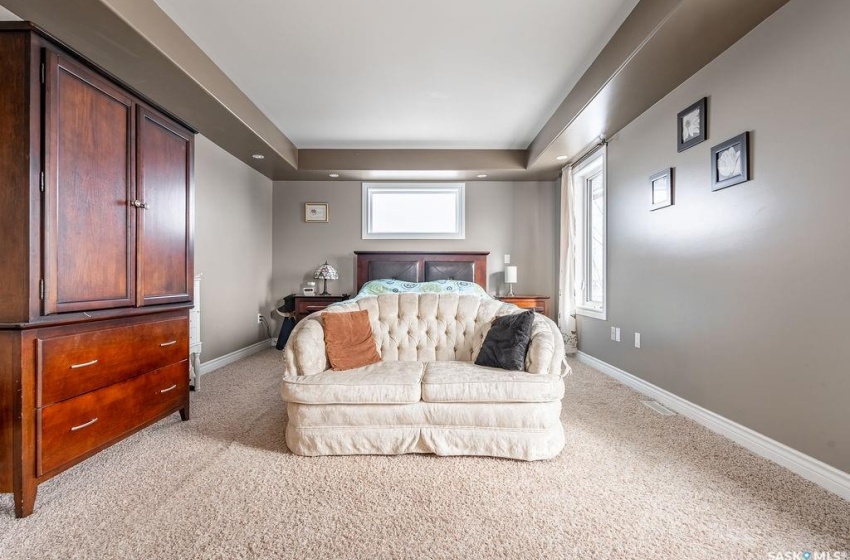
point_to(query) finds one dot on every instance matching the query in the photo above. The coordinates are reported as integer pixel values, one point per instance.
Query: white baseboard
(825, 476)
(227, 359)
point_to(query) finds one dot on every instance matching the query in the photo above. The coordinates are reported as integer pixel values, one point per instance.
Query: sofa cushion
(514, 416)
(349, 341)
(507, 342)
(384, 382)
(467, 382)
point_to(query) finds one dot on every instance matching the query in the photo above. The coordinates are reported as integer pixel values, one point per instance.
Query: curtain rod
(588, 152)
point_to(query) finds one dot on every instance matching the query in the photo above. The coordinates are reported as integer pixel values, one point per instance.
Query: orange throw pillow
(349, 341)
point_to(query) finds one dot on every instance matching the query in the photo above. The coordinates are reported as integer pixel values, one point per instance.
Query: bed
(409, 266)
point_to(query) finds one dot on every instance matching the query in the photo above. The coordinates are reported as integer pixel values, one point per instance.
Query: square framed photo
(730, 162)
(661, 185)
(315, 211)
(692, 125)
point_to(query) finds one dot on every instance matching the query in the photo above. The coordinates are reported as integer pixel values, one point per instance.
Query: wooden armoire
(96, 278)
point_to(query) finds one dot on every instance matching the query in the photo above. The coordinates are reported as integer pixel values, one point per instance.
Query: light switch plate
(613, 333)
(507, 259)
(637, 340)
(618, 334)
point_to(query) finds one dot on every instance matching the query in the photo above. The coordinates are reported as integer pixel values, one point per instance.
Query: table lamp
(510, 279)
(326, 272)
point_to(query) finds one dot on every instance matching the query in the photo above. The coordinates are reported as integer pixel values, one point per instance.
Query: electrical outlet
(613, 333)
(507, 259)
(637, 340)
(618, 334)
(259, 318)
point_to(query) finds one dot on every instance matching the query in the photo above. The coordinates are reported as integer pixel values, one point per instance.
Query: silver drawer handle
(168, 343)
(78, 366)
(81, 426)
(167, 390)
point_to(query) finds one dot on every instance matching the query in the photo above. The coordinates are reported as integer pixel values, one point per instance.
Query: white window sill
(592, 312)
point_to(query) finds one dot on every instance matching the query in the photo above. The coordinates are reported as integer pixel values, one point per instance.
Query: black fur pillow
(507, 342)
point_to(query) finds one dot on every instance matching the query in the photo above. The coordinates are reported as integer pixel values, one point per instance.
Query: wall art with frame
(692, 125)
(730, 162)
(661, 189)
(315, 211)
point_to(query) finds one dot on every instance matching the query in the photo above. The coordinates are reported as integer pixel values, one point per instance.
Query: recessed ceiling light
(258, 156)
(333, 175)
(481, 176)
(561, 158)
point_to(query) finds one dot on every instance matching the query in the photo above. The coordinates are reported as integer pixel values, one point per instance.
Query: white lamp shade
(510, 275)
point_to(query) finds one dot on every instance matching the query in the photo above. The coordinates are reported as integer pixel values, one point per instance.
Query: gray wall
(742, 296)
(233, 249)
(501, 217)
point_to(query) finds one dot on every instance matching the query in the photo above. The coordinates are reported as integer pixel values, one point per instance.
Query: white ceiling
(403, 73)
(6, 15)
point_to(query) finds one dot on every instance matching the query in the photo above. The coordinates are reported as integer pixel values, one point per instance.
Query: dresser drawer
(539, 304)
(305, 305)
(72, 428)
(78, 363)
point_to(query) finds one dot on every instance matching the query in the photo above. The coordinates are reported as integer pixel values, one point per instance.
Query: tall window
(414, 211)
(591, 265)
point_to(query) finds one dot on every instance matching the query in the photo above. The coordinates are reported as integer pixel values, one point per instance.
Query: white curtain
(566, 283)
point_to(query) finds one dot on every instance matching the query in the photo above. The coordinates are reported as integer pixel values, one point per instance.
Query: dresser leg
(184, 412)
(25, 499)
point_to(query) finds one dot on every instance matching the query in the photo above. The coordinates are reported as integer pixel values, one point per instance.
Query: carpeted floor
(630, 484)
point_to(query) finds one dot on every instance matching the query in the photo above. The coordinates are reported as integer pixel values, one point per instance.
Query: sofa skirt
(524, 431)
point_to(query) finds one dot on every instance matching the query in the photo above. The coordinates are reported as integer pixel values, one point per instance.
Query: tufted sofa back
(426, 327)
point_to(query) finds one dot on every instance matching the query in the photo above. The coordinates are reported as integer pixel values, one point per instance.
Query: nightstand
(540, 304)
(304, 305)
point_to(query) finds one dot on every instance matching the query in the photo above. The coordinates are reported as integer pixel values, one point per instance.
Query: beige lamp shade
(510, 275)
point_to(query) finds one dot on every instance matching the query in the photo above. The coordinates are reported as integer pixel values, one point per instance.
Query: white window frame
(587, 169)
(459, 189)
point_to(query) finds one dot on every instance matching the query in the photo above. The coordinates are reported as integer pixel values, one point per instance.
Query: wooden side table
(540, 304)
(304, 305)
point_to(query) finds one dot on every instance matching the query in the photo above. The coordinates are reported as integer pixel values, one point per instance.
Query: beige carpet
(630, 484)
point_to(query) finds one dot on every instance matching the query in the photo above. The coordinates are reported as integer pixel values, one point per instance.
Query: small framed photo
(692, 125)
(730, 162)
(661, 184)
(315, 211)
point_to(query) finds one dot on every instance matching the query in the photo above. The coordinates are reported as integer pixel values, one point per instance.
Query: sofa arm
(305, 352)
(546, 348)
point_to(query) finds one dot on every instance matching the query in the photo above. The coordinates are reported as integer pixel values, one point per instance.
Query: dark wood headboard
(410, 266)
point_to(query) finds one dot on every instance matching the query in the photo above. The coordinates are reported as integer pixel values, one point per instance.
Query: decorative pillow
(507, 342)
(349, 341)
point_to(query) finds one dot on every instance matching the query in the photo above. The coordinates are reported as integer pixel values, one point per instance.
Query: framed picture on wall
(730, 162)
(315, 211)
(692, 125)
(661, 186)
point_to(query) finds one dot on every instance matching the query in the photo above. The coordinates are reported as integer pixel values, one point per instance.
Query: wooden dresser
(96, 189)
(540, 304)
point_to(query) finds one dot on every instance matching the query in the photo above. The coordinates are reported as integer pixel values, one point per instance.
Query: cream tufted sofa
(426, 395)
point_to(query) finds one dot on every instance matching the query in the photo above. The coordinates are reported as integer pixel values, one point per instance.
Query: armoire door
(164, 178)
(89, 233)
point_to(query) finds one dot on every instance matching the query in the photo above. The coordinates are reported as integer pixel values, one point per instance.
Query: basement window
(590, 194)
(414, 211)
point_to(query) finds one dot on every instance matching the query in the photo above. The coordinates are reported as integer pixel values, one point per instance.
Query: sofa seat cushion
(529, 417)
(381, 383)
(467, 382)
